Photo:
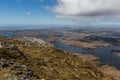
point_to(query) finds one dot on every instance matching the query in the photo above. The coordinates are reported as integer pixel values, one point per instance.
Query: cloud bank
(87, 9)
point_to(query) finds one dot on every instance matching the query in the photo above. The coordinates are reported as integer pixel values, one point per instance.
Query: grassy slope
(54, 64)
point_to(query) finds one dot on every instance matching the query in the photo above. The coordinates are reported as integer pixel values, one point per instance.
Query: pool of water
(103, 52)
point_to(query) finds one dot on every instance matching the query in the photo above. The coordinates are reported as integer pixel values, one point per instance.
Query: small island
(117, 52)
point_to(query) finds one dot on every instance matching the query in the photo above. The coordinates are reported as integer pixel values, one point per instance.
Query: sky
(59, 12)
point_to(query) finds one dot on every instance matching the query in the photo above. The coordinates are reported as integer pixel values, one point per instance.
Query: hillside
(41, 62)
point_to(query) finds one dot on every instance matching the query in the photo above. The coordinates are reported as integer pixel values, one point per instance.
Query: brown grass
(50, 63)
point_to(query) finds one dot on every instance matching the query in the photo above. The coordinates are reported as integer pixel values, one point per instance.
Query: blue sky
(59, 12)
(27, 12)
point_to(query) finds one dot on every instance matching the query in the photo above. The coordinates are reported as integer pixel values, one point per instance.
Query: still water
(103, 52)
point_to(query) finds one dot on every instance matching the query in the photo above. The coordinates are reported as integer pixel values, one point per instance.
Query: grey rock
(32, 40)
(12, 79)
(3, 44)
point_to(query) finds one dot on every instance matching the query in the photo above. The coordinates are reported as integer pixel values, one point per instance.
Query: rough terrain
(33, 62)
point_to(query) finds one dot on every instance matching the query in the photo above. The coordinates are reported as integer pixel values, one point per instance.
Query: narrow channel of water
(104, 53)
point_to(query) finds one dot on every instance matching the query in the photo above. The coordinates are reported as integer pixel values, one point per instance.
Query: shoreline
(116, 52)
(109, 70)
(85, 45)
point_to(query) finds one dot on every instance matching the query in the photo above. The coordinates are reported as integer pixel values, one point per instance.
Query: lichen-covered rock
(3, 44)
(32, 40)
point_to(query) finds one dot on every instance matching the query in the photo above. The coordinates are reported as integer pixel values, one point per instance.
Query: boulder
(4, 63)
(3, 44)
(32, 40)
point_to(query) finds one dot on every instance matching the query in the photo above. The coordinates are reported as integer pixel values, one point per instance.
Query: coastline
(109, 70)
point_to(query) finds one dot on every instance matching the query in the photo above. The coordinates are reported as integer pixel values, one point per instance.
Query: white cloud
(87, 9)
(45, 7)
(29, 13)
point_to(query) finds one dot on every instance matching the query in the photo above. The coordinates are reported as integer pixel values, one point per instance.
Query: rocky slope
(112, 71)
(41, 62)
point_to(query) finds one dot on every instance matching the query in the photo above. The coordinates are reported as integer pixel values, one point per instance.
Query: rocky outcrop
(32, 40)
(3, 44)
(13, 60)
(22, 72)
(10, 51)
